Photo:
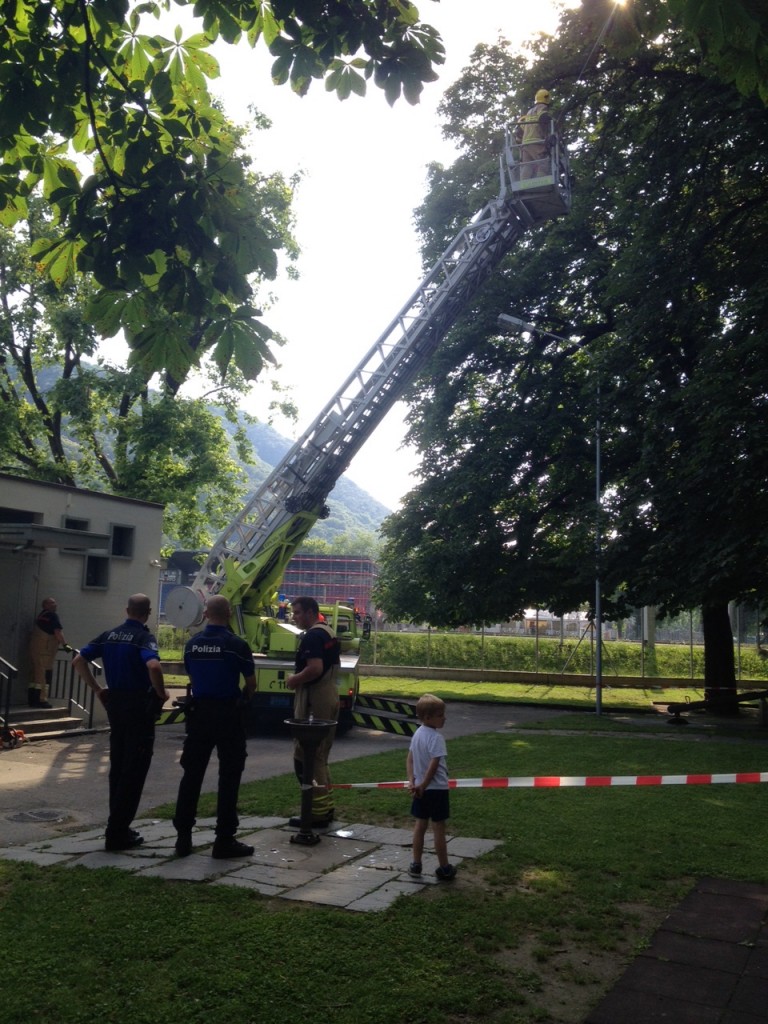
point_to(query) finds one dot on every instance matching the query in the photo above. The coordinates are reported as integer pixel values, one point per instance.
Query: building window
(121, 545)
(95, 572)
(73, 523)
(17, 515)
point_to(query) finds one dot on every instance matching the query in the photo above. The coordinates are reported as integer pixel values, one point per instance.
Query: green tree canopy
(656, 282)
(733, 35)
(68, 416)
(148, 180)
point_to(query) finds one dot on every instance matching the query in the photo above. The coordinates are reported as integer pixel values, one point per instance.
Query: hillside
(352, 508)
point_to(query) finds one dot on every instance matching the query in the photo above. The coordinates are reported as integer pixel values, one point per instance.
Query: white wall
(38, 572)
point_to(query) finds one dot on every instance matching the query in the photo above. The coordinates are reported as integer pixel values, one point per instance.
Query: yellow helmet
(542, 96)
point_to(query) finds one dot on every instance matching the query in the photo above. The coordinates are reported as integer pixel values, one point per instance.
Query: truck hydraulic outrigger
(248, 560)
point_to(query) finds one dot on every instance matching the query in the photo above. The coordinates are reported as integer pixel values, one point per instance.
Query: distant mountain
(351, 507)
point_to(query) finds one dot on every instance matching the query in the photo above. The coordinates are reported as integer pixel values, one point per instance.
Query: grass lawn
(533, 933)
(612, 698)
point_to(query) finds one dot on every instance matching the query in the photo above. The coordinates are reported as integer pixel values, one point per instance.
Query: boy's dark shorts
(434, 805)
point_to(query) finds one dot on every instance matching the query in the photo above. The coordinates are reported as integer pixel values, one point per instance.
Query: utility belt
(214, 702)
(150, 700)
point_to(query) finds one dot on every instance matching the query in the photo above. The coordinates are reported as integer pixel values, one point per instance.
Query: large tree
(733, 35)
(657, 284)
(69, 416)
(146, 175)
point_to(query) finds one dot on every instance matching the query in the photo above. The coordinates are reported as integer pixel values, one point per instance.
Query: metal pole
(598, 595)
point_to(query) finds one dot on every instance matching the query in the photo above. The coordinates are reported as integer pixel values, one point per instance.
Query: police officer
(215, 659)
(316, 694)
(133, 697)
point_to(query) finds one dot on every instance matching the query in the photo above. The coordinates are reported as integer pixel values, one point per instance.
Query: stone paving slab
(461, 847)
(254, 884)
(338, 888)
(39, 857)
(383, 897)
(278, 877)
(126, 861)
(195, 868)
(360, 867)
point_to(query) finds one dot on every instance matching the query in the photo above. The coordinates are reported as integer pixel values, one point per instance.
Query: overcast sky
(364, 166)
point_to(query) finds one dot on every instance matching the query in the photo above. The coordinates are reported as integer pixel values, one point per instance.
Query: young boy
(428, 779)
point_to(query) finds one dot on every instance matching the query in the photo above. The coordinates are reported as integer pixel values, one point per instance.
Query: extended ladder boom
(247, 561)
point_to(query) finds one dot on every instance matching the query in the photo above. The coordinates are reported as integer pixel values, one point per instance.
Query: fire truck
(247, 561)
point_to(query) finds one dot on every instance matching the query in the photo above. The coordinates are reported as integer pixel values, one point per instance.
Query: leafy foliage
(655, 289)
(151, 190)
(734, 36)
(69, 417)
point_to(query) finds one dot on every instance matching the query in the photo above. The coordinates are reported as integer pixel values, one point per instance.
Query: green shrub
(171, 640)
(548, 655)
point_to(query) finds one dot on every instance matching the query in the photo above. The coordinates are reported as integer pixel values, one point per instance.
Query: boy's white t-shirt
(427, 743)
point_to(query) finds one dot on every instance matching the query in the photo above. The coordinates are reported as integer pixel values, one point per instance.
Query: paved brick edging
(355, 866)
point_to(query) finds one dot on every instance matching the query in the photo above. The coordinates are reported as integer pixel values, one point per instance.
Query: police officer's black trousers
(219, 724)
(131, 742)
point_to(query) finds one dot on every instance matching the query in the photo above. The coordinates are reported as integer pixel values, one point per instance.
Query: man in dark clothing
(133, 697)
(315, 683)
(215, 659)
(47, 637)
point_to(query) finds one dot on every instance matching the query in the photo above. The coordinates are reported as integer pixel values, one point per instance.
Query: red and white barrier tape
(568, 781)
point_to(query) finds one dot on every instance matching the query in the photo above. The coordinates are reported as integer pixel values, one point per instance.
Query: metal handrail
(8, 673)
(67, 685)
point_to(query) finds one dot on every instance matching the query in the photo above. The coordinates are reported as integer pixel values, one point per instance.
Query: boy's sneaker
(415, 869)
(228, 849)
(446, 874)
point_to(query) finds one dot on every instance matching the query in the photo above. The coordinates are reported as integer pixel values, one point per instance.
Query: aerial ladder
(248, 560)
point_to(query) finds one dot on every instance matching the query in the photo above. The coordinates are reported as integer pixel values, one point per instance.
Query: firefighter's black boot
(33, 696)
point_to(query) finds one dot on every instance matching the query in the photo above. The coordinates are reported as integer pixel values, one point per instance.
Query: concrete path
(354, 866)
(53, 796)
(50, 787)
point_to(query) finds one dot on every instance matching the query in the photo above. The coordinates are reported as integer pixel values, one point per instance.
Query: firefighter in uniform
(215, 659)
(315, 683)
(532, 131)
(47, 637)
(133, 697)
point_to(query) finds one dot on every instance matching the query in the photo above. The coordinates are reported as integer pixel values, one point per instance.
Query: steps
(43, 723)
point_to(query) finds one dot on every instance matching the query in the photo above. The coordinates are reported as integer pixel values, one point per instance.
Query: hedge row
(524, 654)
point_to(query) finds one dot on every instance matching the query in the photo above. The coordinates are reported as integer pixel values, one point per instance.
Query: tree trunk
(719, 664)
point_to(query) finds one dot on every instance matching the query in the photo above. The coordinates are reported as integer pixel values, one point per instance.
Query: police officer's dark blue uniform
(133, 698)
(215, 659)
